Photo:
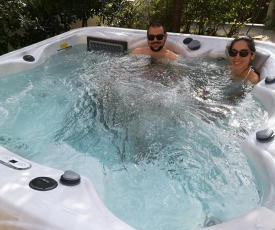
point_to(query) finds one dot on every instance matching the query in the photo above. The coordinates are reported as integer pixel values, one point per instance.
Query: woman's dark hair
(250, 42)
(157, 24)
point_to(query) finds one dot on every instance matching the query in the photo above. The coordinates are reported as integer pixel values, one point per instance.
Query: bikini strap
(250, 68)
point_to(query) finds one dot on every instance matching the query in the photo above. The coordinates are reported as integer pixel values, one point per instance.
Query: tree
(84, 9)
(270, 19)
(176, 15)
(24, 22)
(11, 18)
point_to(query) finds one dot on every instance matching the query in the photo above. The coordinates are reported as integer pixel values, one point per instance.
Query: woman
(241, 52)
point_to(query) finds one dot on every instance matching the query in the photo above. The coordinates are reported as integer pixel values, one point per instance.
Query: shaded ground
(258, 32)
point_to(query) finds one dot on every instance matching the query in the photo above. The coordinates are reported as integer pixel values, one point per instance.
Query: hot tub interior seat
(259, 60)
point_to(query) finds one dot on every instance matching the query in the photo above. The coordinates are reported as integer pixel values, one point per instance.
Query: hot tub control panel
(14, 162)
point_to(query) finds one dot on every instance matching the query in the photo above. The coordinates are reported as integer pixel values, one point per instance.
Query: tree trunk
(270, 19)
(176, 15)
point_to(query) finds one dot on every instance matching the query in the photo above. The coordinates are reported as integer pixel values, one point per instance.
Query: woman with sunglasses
(241, 52)
(156, 38)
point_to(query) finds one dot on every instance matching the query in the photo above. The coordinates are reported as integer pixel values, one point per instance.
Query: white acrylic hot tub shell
(79, 207)
(65, 207)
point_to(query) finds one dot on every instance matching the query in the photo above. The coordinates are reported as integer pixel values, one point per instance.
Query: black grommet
(186, 41)
(43, 183)
(270, 80)
(265, 135)
(211, 221)
(29, 58)
(70, 178)
(194, 45)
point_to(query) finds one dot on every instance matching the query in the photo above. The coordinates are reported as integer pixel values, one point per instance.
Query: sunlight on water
(161, 141)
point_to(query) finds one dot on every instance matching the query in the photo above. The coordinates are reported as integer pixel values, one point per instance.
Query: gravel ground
(258, 32)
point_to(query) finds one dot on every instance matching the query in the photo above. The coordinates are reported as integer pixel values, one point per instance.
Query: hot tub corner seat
(259, 218)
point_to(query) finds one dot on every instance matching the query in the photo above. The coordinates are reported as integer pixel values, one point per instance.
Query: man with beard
(156, 38)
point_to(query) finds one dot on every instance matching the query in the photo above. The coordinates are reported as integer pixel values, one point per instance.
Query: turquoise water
(161, 141)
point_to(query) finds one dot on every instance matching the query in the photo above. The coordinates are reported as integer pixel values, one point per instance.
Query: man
(156, 38)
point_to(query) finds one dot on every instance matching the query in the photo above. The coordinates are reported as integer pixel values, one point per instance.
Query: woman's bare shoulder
(254, 77)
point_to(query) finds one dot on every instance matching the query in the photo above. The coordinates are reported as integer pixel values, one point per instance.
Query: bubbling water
(160, 140)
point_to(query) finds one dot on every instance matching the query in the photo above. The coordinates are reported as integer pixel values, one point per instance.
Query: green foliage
(43, 19)
(126, 14)
(204, 17)
(207, 16)
(83, 9)
(24, 22)
(135, 14)
(11, 15)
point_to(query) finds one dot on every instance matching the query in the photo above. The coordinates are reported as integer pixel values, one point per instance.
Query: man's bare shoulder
(164, 53)
(141, 50)
(172, 55)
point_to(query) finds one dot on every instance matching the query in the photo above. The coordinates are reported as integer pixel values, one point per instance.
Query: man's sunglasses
(152, 37)
(243, 53)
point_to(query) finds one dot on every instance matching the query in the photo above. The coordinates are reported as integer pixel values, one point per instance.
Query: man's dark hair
(157, 24)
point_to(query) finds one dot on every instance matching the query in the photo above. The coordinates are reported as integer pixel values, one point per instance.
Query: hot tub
(23, 206)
